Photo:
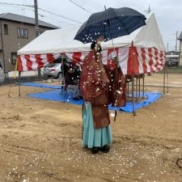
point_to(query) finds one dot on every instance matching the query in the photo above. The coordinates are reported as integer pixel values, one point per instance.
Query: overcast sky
(68, 12)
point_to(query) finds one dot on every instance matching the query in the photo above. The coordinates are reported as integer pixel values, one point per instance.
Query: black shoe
(80, 97)
(95, 150)
(76, 98)
(105, 149)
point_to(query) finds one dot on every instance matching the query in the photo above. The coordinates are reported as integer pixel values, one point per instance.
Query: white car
(52, 70)
(2, 76)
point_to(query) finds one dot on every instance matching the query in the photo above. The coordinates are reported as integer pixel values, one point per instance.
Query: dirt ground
(41, 140)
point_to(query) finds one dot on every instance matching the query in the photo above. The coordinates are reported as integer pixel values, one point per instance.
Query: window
(25, 33)
(22, 33)
(18, 33)
(5, 29)
(13, 57)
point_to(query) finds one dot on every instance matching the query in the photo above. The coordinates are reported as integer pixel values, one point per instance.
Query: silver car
(52, 70)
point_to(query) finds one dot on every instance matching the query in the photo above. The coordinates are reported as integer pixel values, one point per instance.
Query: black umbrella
(111, 23)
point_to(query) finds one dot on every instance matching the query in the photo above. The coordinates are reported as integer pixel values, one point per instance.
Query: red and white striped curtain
(132, 60)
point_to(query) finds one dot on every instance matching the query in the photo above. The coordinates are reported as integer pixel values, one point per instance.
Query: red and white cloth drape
(132, 60)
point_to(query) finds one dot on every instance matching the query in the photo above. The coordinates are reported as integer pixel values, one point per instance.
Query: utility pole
(36, 18)
(176, 46)
(149, 10)
(37, 29)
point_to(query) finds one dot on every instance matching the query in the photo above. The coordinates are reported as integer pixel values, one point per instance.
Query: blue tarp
(40, 85)
(59, 95)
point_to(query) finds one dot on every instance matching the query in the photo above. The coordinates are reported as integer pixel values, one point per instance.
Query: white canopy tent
(141, 52)
(62, 40)
(145, 46)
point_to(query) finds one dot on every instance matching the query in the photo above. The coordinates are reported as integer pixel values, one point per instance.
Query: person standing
(97, 87)
(71, 79)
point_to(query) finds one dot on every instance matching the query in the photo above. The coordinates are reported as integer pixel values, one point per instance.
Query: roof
(180, 36)
(24, 19)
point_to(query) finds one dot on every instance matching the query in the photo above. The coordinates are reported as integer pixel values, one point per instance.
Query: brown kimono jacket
(101, 86)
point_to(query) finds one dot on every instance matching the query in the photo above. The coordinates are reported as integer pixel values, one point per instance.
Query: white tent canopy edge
(147, 55)
(62, 40)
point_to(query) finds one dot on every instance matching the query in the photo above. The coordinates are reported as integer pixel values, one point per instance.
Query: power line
(32, 8)
(59, 15)
(79, 6)
(97, 4)
(90, 5)
(12, 4)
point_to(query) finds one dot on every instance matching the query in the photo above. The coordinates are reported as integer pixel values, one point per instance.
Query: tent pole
(143, 84)
(19, 74)
(139, 85)
(136, 88)
(167, 79)
(164, 80)
(133, 97)
(10, 88)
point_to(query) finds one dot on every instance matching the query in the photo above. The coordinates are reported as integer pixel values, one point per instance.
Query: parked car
(2, 76)
(172, 63)
(52, 70)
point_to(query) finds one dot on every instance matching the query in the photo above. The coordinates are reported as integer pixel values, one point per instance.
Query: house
(180, 49)
(15, 32)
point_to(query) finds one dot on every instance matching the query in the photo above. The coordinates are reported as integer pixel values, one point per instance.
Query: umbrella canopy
(111, 23)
